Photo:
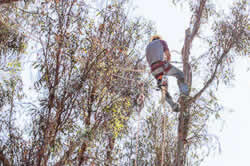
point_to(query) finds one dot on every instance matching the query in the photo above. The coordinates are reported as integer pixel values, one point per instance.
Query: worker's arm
(167, 55)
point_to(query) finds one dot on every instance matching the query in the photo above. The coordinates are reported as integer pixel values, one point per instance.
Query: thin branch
(7, 1)
(190, 35)
(212, 76)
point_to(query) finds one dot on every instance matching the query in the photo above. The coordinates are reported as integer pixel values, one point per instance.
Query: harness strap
(158, 69)
(157, 64)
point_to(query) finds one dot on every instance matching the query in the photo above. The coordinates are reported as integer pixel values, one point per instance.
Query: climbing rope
(137, 137)
(163, 100)
(140, 102)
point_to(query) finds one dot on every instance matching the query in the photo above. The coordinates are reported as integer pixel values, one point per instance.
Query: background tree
(85, 95)
(12, 44)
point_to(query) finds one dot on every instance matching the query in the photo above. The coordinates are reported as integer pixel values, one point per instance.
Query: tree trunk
(184, 116)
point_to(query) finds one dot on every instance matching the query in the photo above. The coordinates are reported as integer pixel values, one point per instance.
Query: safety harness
(158, 69)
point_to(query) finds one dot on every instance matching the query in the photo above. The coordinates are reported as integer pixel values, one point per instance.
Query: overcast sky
(171, 23)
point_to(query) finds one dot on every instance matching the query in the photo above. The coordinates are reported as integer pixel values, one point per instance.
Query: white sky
(235, 136)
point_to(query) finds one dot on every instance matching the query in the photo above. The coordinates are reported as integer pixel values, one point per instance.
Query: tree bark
(184, 116)
(110, 147)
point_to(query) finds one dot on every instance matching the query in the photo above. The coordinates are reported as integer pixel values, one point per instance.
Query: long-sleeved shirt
(155, 51)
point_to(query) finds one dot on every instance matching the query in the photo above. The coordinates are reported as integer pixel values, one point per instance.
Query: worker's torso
(154, 52)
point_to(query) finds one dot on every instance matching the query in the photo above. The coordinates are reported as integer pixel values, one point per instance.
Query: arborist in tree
(158, 57)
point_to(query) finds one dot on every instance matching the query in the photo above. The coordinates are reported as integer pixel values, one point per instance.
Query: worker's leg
(170, 101)
(162, 81)
(171, 70)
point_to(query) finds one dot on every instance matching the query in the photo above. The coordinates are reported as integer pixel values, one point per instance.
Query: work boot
(184, 89)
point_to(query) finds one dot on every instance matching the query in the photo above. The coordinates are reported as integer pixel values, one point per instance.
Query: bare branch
(191, 33)
(211, 78)
(7, 1)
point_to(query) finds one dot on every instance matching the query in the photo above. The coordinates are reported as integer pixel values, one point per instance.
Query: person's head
(156, 37)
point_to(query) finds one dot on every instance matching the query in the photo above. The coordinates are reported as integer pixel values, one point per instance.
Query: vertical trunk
(81, 157)
(110, 148)
(184, 116)
(163, 126)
